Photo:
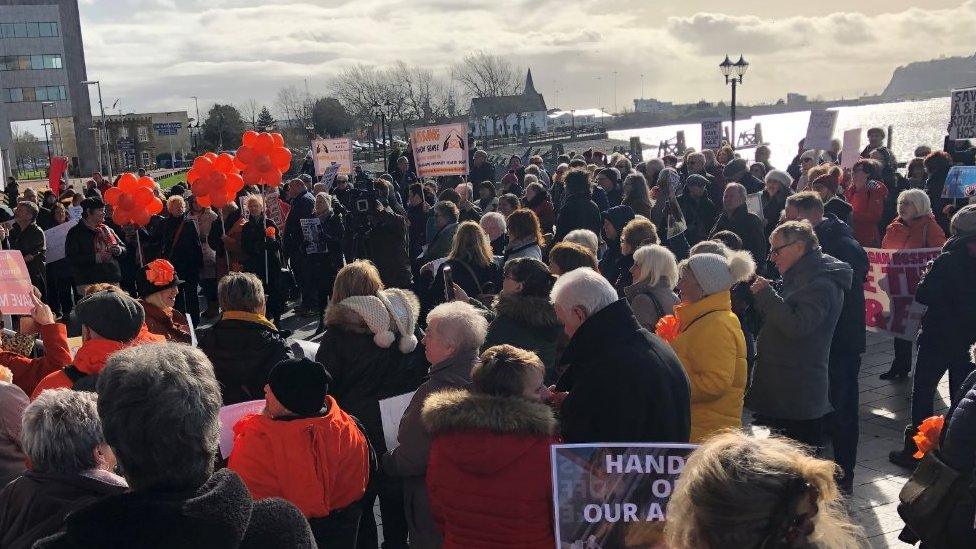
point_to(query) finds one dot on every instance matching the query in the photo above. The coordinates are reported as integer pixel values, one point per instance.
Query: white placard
(391, 412)
(326, 152)
(851, 152)
(962, 114)
(711, 130)
(440, 150)
(193, 330)
(754, 204)
(305, 348)
(820, 130)
(229, 416)
(54, 240)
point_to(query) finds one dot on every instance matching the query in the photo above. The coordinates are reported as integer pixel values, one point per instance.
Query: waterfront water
(915, 123)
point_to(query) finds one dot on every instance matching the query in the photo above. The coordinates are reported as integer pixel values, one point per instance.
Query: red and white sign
(889, 291)
(325, 152)
(16, 290)
(440, 150)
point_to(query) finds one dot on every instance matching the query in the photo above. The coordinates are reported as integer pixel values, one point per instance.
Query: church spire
(529, 86)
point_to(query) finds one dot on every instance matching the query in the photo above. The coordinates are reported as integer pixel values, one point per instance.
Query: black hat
(300, 385)
(176, 190)
(112, 314)
(163, 276)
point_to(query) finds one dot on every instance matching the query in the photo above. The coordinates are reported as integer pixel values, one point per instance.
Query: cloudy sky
(154, 54)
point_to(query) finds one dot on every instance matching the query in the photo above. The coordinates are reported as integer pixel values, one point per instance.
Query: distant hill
(925, 77)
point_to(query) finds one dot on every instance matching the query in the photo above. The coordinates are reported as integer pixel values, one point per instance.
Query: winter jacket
(227, 254)
(417, 230)
(180, 243)
(933, 187)
(487, 279)
(489, 476)
(921, 232)
(650, 302)
(867, 207)
(172, 326)
(302, 207)
(30, 241)
(217, 515)
(526, 247)
(388, 246)
(837, 240)
(790, 377)
(949, 323)
(13, 401)
(840, 208)
(35, 505)
(700, 215)
(88, 363)
(243, 348)
(440, 245)
(712, 349)
(528, 323)
(748, 227)
(410, 457)
(362, 372)
(578, 212)
(546, 214)
(481, 173)
(81, 245)
(28, 372)
(625, 384)
(318, 463)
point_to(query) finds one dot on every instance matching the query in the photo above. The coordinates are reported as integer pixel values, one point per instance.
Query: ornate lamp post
(733, 73)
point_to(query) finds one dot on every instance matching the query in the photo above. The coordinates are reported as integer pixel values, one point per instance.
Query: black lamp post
(47, 140)
(736, 71)
(379, 111)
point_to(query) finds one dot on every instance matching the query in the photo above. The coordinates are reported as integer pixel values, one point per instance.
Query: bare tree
(483, 74)
(250, 111)
(27, 147)
(293, 105)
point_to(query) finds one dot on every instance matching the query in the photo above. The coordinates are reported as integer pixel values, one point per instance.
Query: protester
(623, 384)
(293, 246)
(489, 443)
(260, 254)
(472, 265)
(28, 372)
(937, 166)
(736, 172)
(698, 209)
(948, 325)
(537, 199)
(739, 491)
(446, 222)
(614, 221)
(60, 288)
(638, 232)
(790, 384)
(807, 160)
(578, 210)
(524, 235)
(13, 402)
(203, 219)
(179, 243)
(826, 185)
(866, 196)
(159, 286)
(467, 210)
(493, 223)
(455, 332)
(636, 195)
(305, 449)
(481, 168)
(387, 245)
(773, 198)
(508, 203)
(70, 467)
(92, 248)
(586, 237)
(876, 149)
(487, 197)
(27, 237)
(609, 180)
(169, 390)
(225, 237)
(737, 218)
(569, 256)
(717, 376)
(655, 274)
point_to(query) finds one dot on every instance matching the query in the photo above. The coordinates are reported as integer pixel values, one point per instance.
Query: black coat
(837, 239)
(301, 208)
(34, 505)
(218, 515)
(181, 246)
(482, 173)
(578, 212)
(625, 384)
(949, 323)
(748, 227)
(751, 183)
(389, 248)
(417, 220)
(841, 209)
(700, 214)
(933, 187)
(80, 247)
(242, 353)
(489, 280)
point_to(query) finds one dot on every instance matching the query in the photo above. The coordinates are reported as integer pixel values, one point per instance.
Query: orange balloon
(133, 201)
(214, 180)
(262, 158)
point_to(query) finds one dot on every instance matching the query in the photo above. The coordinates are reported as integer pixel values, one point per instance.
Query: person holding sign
(25, 235)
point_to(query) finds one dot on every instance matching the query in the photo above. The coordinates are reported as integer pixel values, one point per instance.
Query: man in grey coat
(790, 384)
(455, 333)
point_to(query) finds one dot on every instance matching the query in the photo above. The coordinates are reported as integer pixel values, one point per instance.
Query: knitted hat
(784, 179)
(963, 224)
(736, 165)
(111, 314)
(404, 308)
(613, 174)
(375, 315)
(619, 216)
(300, 385)
(716, 273)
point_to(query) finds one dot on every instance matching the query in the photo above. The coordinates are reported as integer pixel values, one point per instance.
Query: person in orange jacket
(28, 372)
(866, 195)
(305, 449)
(110, 321)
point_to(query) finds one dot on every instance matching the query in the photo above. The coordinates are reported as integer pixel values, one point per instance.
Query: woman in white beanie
(652, 296)
(774, 197)
(370, 348)
(710, 342)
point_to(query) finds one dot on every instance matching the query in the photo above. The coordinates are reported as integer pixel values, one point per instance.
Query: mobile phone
(448, 283)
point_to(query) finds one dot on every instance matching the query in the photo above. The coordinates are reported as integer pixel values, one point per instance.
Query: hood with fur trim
(461, 410)
(535, 312)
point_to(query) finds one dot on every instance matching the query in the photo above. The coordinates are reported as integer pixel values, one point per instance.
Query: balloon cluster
(262, 158)
(133, 200)
(214, 179)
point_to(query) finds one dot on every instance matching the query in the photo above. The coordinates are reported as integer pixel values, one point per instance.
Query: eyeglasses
(777, 250)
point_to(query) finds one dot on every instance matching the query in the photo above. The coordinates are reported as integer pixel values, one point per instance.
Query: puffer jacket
(488, 475)
(949, 323)
(528, 323)
(712, 349)
(921, 232)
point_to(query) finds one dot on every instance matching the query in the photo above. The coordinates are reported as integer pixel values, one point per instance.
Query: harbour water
(915, 123)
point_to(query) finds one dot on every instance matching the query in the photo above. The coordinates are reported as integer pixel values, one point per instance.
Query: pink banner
(889, 291)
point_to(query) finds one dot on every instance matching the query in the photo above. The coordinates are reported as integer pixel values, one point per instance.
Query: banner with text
(820, 130)
(440, 150)
(851, 152)
(889, 291)
(613, 495)
(15, 284)
(711, 130)
(325, 152)
(962, 114)
(55, 238)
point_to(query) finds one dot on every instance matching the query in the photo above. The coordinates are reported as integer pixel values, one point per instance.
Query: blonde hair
(253, 197)
(917, 198)
(175, 198)
(735, 490)
(638, 232)
(471, 245)
(357, 278)
(656, 263)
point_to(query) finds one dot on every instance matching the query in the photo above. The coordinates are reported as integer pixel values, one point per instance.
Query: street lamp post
(736, 71)
(103, 135)
(379, 111)
(196, 135)
(47, 141)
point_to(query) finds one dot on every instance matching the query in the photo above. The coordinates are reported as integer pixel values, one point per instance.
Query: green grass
(31, 174)
(172, 179)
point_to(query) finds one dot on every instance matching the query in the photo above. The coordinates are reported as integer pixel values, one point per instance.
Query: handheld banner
(820, 130)
(711, 131)
(962, 114)
(440, 150)
(16, 290)
(889, 291)
(326, 152)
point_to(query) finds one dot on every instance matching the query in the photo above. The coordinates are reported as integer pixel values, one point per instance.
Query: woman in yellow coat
(710, 342)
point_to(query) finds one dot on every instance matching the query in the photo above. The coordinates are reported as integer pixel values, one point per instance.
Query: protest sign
(962, 114)
(889, 291)
(325, 152)
(851, 152)
(960, 183)
(613, 495)
(754, 204)
(711, 130)
(275, 208)
(820, 130)
(16, 290)
(310, 232)
(440, 150)
(228, 416)
(74, 212)
(330, 174)
(391, 412)
(54, 239)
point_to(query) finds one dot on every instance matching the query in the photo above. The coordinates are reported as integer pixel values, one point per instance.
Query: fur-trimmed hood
(535, 312)
(346, 318)
(461, 410)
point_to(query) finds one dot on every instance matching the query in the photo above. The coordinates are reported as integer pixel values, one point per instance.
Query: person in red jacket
(866, 195)
(488, 475)
(28, 372)
(305, 449)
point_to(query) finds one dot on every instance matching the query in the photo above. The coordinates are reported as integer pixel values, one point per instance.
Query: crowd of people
(596, 299)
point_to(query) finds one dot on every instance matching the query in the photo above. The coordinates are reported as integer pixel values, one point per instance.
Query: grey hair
(326, 199)
(459, 324)
(494, 220)
(797, 231)
(584, 237)
(583, 288)
(739, 189)
(159, 404)
(240, 292)
(917, 198)
(60, 432)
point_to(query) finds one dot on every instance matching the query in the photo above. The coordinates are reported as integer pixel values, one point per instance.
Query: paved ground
(884, 413)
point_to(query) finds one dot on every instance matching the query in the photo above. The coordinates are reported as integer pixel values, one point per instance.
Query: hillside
(936, 75)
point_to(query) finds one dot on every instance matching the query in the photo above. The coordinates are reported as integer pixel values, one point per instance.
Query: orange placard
(15, 284)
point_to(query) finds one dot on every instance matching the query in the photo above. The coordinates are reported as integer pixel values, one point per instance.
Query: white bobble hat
(404, 309)
(375, 315)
